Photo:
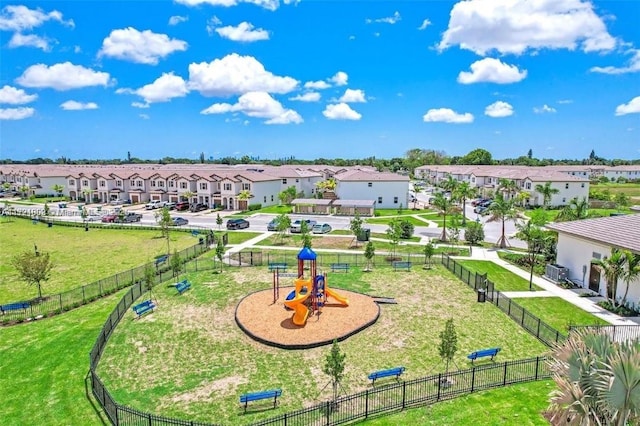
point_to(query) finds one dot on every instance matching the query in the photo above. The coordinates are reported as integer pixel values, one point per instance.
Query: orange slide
(301, 311)
(342, 300)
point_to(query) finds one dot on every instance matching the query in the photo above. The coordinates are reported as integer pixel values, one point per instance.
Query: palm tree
(25, 190)
(450, 184)
(188, 195)
(547, 192)
(501, 210)
(613, 269)
(57, 188)
(575, 210)
(463, 192)
(598, 381)
(244, 196)
(508, 187)
(445, 207)
(632, 272)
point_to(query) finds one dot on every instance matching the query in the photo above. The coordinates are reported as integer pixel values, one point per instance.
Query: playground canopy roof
(307, 254)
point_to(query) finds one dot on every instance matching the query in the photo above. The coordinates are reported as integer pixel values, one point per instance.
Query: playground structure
(310, 294)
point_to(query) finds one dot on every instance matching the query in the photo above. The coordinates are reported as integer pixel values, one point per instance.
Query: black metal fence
(62, 302)
(324, 259)
(617, 333)
(534, 325)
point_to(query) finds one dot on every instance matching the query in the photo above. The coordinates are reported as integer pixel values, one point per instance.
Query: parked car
(182, 205)
(479, 209)
(170, 205)
(197, 207)
(296, 227)
(321, 228)
(273, 225)
(129, 217)
(179, 221)
(237, 224)
(109, 218)
(154, 205)
(116, 202)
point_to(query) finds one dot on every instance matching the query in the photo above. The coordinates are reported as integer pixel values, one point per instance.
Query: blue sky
(269, 78)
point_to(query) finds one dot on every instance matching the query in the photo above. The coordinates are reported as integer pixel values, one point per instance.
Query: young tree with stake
(334, 367)
(33, 268)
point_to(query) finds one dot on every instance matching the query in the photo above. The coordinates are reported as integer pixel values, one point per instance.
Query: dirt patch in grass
(207, 392)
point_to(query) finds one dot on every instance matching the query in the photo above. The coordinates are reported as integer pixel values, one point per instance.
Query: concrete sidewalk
(550, 289)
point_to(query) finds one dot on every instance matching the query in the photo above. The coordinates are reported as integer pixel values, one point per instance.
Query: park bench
(401, 265)
(397, 371)
(161, 259)
(484, 352)
(256, 396)
(339, 267)
(183, 286)
(195, 233)
(277, 266)
(144, 307)
(13, 307)
(62, 205)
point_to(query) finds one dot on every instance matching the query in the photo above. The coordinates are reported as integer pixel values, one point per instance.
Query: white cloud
(177, 19)
(29, 40)
(633, 65)
(267, 4)
(499, 109)
(144, 116)
(633, 107)
(259, 105)
(565, 101)
(424, 25)
(141, 47)
(212, 23)
(78, 106)
(340, 111)
(307, 97)
(446, 115)
(63, 76)
(544, 109)
(163, 89)
(16, 113)
(351, 95)
(340, 78)
(243, 32)
(317, 85)
(141, 105)
(21, 18)
(492, 70)
(387, 20)
(516, 26)
(235, 74)
(14, 96)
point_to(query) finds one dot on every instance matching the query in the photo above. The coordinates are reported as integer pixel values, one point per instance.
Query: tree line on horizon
(412, 158)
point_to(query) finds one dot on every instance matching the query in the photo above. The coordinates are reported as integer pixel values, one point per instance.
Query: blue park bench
(492, 352)
(397, 371)
(339, 267)
(13, 307)
(256, 396)
(161, 259)
(401, 265)
(277, 265)
(195, 233)
(183, 286)
(144, 307)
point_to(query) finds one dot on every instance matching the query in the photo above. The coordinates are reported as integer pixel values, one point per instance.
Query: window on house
(227, 187)
(72, 182)
(272, 198)
(528, 185)
(297, 180)
(595, 255)
(153, 183)
(370, 184)
(564, 200)
(183, 185)
(132, 182)
(140, 183)
(395, 200)
(85, 183)
(284, 181)
(118, 183)
(102, 183)
(246, 186)
(582, 185)
(379, 200)
(172, 184)
(203, 185)
(265, 199)
(161, 183)
(566, 186)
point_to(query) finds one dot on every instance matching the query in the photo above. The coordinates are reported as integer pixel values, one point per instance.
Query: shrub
(407, 229)
(474, 234)
(253, 207)
(624, 311)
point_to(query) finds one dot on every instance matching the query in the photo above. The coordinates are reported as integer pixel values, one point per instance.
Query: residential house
(387, 190)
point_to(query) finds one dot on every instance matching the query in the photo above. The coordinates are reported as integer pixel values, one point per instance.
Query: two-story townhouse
(567, 186)
(304, 180)
(105, 184)
(172, 187)
(263, 187)
(205, 188)
(185, 187)
(88, 186)
(159, 186)
(625, 172)
(138, 186)
(121, 186)
(388, 190)
(52, 180)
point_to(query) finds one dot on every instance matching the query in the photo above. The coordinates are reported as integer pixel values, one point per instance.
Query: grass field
(558, 313)
(520, 405)
(387, 220)
(44, 364)
(80, 257)
(373, 235)
(395, 212)
(189, 360)
(503, 279)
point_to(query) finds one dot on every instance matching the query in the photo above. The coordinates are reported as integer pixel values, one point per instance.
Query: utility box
(556, 273)
(482, 295)
(364, 235)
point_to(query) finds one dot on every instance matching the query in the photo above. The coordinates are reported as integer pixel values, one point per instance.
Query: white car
(154, 205)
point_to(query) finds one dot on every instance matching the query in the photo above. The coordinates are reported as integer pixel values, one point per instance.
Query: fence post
(149, 417)
(538, 331)
(439, 382)
(473, 378)
(328, 411)
(404, 393)
(509, 309)
(366, 404)
(504, 379)
(522, 320)
(537, 362)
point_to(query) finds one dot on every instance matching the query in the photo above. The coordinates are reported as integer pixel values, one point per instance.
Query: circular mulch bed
(270, 323)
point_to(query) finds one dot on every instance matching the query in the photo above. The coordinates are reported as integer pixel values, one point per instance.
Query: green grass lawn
(387, 220)
(558, 313)
(268, 209)
(44, 364)
(239, 237)
(373, 235)
(189, 360)
(395, 212)
(519, 405)
(503, 279)
(80, 257)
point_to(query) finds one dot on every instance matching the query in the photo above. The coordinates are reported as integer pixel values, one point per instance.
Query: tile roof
(364, 176)
(617, 231)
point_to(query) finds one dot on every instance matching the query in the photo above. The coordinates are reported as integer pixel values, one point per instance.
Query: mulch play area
(270, 323)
